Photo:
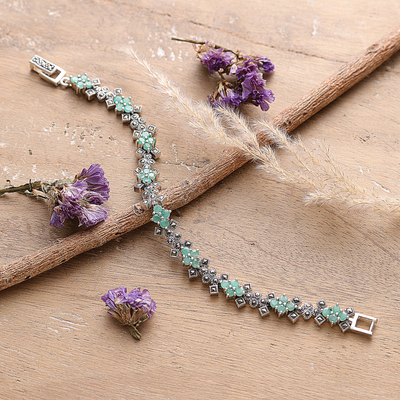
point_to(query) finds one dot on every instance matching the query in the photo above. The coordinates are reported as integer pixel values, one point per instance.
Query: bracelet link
(47, 70)
(354, 321)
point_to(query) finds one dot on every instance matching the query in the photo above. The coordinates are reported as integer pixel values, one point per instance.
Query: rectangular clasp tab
(354, 320)
(47, 70)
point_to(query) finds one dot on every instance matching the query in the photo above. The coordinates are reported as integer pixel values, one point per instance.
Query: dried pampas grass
(322, 179)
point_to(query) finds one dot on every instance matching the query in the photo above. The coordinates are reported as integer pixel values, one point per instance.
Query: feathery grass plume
(322, 178)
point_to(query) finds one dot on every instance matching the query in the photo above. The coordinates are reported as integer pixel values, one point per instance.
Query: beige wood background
(56, 339)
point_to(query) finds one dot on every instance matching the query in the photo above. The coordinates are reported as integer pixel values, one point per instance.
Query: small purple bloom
(115, 297)
(82, 199)
(227, 95)
(215, 59)
(254, 90)
(265, 64)
(130, 309)
(95, 179)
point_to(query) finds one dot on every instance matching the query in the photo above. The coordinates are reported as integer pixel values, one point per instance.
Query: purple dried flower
(227, 95)
(97, 182)
(214, 59)
(254, 90)
(130, 309)
(265, 64)
(81, 199)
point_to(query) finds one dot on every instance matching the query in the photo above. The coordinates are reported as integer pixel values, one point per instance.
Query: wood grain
(56, 338)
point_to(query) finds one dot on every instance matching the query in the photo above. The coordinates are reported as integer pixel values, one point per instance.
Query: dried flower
(81, 198)
(249, 86)
(131, 308)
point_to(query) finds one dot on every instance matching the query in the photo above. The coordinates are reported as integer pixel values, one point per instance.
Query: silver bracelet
(198, 267)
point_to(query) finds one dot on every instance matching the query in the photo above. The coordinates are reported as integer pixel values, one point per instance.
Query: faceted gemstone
(283, 299)
(117, 99)
(187, 260)
(74, 79)
(119, 107)
(273, 303)
(281, 309)
(164, 223)
(235, 283)
(343, 316)
(80, 85)
(128, 108)
(156, 218)
(89, 85)
(195, 263)
(157, 208)
(147, 146)
(239, 291)
(165, 213)
(333, 318)
(225, 284)
(230, 292)
(326, 312)
(194, 253)
(83, 78)
(335, 309)
(185, 251)
(126, 100)
(290, 306)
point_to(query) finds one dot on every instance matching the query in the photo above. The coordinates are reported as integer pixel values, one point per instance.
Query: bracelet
(198, 267)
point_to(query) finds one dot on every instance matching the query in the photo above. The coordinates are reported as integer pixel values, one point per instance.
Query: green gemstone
(283, 299)
(89, 84)
(235, 283)
(343, 316)
(336, 309)
(156, 218)
(83, 78)
(281, 309)
(290, 306)
(151, 140)
(147, 146)
(146, 180)
(128, 108)
(273, 303)
(146, 170)
(333, 318)
(80, 85)
(225, 284)
(145, 134)
(239, 291)
(157, 208)
(165, 213)
(74, 79)
(326, 312)
(185, 251)
(187, 260)
(117, 99)
(127, 100)
(195, 263)
(141, 140)
(119, 107)
(230, 292)
(152, 175)
(194, 253)
(164, 223)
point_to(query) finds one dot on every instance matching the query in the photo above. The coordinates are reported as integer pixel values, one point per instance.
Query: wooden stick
(179, 195)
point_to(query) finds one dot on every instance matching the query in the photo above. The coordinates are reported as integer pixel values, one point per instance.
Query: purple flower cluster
(250, 85)
(82, 199)
(131, 308)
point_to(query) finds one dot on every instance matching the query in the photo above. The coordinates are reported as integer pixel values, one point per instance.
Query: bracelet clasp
(354, 320)
(47, 70)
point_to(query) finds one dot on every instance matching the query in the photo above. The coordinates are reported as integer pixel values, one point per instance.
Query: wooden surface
(56, 339)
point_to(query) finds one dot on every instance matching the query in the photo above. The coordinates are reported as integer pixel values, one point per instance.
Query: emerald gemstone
(141, 140)
(195, 263)
(281, 309)
(157, 208)
(151, 140)
(333, 318)
(239, 291)
(145, 134)
(194, 253)
(187, 260)
(283, 299)
(80, 85)
(74, 79)
(164, 223)
(117, 99)
(273, 303)
(343, 316)
(127, 100)
(83, 78)
(89, 84)
(185, 251)
(235, 283)
(119, 107)
(165, 213)
(128, 108)
(336, 309)
(146, 170)
(225, 284)
(156, 218)
(290, 306)
(147, 146)
(230, 292)
(146, 180)
(152, 175)
(326, 312)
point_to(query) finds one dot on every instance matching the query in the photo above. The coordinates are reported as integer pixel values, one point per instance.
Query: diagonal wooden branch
(179, 195)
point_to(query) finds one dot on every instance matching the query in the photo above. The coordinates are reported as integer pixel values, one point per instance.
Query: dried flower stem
(179, 195)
